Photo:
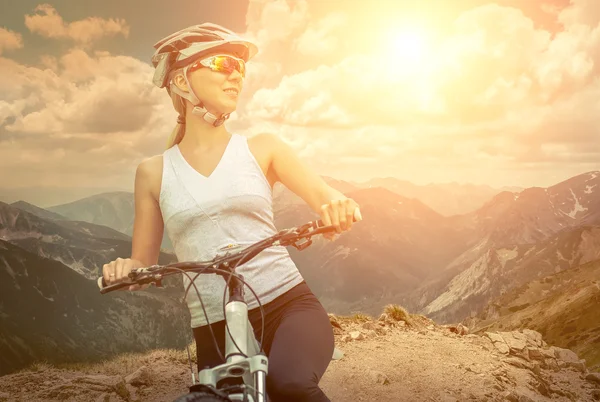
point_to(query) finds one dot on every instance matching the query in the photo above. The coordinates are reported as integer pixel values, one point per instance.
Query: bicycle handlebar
(227, 262)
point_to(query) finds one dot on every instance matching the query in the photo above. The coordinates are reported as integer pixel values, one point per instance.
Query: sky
(503, 93)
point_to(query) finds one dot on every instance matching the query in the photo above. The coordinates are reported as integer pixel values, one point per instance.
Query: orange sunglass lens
(228, 64)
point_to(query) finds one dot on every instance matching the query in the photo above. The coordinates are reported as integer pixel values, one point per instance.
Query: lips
(232, 91)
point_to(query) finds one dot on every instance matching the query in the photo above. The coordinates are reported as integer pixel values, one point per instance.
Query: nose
(235, 76)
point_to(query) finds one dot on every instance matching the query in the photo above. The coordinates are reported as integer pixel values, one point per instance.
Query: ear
(180, 82)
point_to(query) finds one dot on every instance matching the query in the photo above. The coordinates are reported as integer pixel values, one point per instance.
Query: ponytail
(179, 130)
(176, 135)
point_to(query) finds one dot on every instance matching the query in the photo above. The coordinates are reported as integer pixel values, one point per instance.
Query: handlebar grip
(356, 218)
(104, 288)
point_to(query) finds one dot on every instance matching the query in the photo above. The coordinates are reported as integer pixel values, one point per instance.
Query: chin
(230, 108)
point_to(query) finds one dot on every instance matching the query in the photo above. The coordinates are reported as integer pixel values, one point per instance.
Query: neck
(201, 134)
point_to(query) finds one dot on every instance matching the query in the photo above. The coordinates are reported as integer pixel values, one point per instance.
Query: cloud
(47, 22)
(318, 38)
(272, 23)
(10, 40)
(581, 12)
(500, 91)
(89, 116)
(497, 94)
(85, 93)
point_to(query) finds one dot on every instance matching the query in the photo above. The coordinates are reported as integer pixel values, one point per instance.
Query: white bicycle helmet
(181, 49)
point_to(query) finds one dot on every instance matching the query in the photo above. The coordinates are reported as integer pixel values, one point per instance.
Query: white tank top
(233, 205)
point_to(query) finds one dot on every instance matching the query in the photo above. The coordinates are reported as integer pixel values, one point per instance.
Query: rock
(4, 395)
(514, 396)
(356, 335)
(109, 383)
(142, 376)
(535, 354)
(458, 329)
(596, 394)
(494, 337)
(519, 363)
(498, 342)
(579, 366)
(551, 364)
(483, 341)
(337, 354)
(383, 317)
(61, 391)
(548, 353)
(369, 325)
(565, 355)
(593, 377)
(334, 321)
(379, 377)
(516, 345)
(568, 358)
(534, 337)
(502, 347)
(105, 397)
(98, 382)
(345, 338)
(542, 388)
(133, 396)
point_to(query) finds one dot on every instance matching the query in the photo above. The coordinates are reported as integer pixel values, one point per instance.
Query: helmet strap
(199, 108)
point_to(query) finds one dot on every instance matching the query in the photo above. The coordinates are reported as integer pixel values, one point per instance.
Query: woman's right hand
(118, 271)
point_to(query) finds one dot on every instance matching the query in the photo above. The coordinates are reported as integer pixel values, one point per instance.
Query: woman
(210, 189)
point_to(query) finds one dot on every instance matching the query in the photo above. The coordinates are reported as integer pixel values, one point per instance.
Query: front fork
(240, 341)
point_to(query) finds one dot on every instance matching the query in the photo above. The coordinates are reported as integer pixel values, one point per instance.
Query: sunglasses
(222, 64)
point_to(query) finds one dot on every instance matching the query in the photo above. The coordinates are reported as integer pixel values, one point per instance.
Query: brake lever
(151, 274)
(304, 243)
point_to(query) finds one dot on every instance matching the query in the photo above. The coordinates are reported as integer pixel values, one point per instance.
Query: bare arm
(148, 224)
(333, 206)
(287, 168)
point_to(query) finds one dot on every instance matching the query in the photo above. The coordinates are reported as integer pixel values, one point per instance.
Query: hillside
(502, 269)
(384, 360)
(563, 307)
(48, 311)
(396, 247)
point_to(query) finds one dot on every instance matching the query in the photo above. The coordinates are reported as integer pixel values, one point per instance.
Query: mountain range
(50, 307)
(448, 267)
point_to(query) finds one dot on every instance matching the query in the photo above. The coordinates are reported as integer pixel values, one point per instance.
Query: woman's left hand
(339, 213)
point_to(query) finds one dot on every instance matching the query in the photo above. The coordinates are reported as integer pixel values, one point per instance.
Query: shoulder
(149, 174)
(263, 138)
(266, 142)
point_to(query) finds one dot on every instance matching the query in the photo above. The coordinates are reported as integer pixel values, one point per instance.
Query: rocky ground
(407, 358)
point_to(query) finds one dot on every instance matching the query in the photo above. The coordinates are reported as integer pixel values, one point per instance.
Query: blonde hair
(180, 106)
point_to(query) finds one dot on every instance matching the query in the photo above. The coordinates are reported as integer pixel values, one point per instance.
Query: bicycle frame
(242, 353)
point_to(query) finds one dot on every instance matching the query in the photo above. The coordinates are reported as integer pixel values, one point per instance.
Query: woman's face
(218, 91)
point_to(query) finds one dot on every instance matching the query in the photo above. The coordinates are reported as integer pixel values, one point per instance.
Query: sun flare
(409, 44)
(410, 49)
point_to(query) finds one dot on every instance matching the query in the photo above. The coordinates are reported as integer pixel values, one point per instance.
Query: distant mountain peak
(34, 209)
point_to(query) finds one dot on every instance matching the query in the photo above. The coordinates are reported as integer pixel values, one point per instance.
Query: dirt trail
(384, 360)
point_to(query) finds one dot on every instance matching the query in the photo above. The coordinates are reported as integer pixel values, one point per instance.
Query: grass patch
(123, 364)
(359, 317)
(397, 313)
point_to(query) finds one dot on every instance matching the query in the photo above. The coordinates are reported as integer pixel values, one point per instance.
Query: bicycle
(245, 361)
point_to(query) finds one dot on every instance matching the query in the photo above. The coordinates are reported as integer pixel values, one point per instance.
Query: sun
(409, 44)
(409, 48)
